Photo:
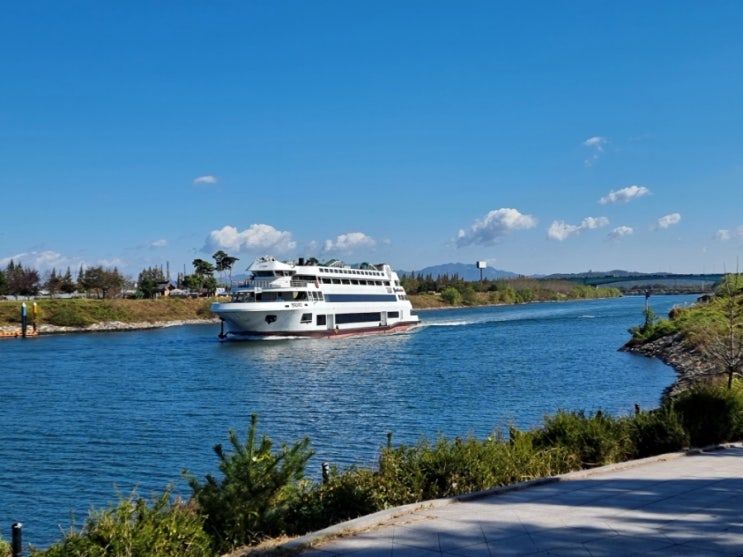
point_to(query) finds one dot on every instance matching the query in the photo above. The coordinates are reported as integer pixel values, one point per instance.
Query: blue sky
(540, 137)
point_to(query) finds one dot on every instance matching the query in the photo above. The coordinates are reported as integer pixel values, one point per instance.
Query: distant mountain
(465, 271)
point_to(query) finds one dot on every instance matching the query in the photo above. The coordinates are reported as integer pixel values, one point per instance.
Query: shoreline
(688, 364)
(7, 331)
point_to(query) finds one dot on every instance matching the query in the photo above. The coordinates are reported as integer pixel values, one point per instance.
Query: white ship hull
(286, 300)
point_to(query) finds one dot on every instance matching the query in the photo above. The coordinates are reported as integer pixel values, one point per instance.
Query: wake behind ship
(315, 299)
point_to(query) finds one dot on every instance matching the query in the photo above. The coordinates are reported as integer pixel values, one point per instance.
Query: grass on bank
(262, 492)
(82, 312)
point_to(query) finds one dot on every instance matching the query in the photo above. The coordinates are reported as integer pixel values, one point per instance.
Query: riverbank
(690, 366)
(91, 315)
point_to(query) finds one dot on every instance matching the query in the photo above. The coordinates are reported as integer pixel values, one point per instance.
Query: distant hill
(465, 271)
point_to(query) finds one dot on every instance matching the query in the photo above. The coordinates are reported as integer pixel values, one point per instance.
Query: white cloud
(205, 180)
(257, 238)
(43, 261)
(625, 195)
(594, 222)
(596, 145)
(347, 243)
(620, 231)
(668, 220)
(159, 244)
(494, 226)
(560, 230)
(725, 235)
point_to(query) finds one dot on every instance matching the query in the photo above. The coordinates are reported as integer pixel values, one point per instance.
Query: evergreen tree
(67, 285)
(149, 281)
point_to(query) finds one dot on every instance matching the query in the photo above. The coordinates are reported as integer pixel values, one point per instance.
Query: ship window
(306, 318)
(270, 319)
(358, 317)
(346, 281)
(322, 319)
(393, 314)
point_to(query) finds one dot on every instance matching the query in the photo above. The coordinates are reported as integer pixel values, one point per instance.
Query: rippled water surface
(83, 416)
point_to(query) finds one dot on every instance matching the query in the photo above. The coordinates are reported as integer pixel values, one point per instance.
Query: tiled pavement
(674, 505)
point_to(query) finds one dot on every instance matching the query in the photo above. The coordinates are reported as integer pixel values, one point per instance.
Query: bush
(657, 432)
(451, 296)
(711, 414)
(164, 529)
(5, 548)
(594, 440)
(258, 488)
(342, 496)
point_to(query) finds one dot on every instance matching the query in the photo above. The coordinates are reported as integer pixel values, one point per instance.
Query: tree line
(454, 290)
(101, 282)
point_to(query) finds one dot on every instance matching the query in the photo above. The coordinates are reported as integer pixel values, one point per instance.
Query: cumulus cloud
(620, 231)
(201, 180)
(347, 243)
(494, 226)
(560, 230)
(669, 220)
(596, 145)
(256, 238)
(625, 195)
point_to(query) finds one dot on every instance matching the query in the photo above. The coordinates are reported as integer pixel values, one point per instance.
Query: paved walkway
(674, 505)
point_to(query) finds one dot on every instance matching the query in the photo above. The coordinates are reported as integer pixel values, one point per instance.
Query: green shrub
(257, 490)
(711, 414)
(451, 296)
(594, 440)
(162, 529)
(5, 548)
(657, 432)
(343, 496)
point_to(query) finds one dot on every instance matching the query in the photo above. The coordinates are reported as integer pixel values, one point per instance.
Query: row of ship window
(346, 318)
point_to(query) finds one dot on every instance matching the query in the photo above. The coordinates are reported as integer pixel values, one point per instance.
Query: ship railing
(267, 284)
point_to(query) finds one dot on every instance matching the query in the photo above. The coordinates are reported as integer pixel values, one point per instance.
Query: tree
(224, 262)
(148, 281)
(451, 296)
(3, 283)
(67, 285)
(53, 283)
(203, 277)
(101, 281)
(720, 338)
(257, 488)
(20, 281)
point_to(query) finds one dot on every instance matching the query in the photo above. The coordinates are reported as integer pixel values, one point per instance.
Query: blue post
(24, 320)
(17, 543)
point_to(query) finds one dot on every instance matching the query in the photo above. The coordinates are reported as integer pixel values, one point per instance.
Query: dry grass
(80, 312)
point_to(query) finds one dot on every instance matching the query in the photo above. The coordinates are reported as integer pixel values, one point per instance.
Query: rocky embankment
(690, 366)
(105, 326)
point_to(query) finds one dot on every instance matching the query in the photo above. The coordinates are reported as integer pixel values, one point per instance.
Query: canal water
(84, 417)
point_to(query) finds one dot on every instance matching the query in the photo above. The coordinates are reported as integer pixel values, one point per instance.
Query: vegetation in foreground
(263, 493)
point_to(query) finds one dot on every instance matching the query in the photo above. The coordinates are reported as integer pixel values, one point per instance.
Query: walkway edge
(368, 522)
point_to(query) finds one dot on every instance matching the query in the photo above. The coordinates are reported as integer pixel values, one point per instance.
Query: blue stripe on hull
(360, 298)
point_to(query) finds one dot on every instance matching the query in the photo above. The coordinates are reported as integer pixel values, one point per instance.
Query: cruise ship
(308, 298)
